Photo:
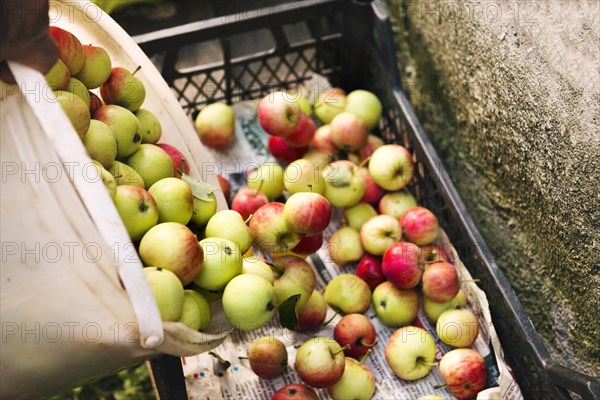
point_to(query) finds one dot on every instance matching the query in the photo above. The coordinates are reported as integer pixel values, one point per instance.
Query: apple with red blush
(369, 270)
(400, 265)
(419, 225)
(356, 333)
(282, 151)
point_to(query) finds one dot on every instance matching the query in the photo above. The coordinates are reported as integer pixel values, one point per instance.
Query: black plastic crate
(351, 43)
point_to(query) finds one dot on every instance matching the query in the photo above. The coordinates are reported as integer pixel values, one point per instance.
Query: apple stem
(117, 176)
(346, 347)
(364, 162)
(330, 319)
(244, 358)
(248, 219)
(429, 364)
(441, 385)
(136, 70)
(310, 187)
(469, 280)
(367, 354)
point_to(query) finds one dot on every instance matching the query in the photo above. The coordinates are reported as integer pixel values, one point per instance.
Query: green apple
(215, 125)
(152, 163)
(96, 67)
(173, 246)
(248, 302)
(393, 306)
(365, 106)
(379, 233)
(229, 224)
(168, 292)
(77, 87)
(107, 178)
(76, 109)
(348, 294)
(297, 277)
(320, 362)
(124, 89)
(357, 382)
(433, 309)
(410, 352)
(221, 263)
(303, 176)
(174, 199)
(356, 215)
(256, 266)
(210, 295)
(343, 186)
(319, 158)
(125, 127)
(196, 312)
(150, 127)
(203, 210)
(344, 246)
(268, 357)
(391, 166)
(268, 178)
(125, 175)
(100, 143)
(58, 76)
(397, 203)
(330, 103)
(457, 327)
(137, 209)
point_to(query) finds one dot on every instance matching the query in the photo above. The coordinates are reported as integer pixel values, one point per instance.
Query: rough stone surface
(509, 92)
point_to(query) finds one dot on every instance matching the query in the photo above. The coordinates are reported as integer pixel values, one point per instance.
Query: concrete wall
(509, 92)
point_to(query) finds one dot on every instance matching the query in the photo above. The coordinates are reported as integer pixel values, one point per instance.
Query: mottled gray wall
(509, 92)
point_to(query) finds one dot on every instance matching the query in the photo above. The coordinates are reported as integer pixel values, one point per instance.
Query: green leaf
(287, 312)
(201, 190)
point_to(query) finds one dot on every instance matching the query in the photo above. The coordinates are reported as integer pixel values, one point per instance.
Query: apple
(343, 186)
(393, 306)
(215, 125)
(434, 309)
(308, 245)
(297, 277)
(268, 357)
(400, 265)
(95, 103)
(373, 193)
(137, 209)
(76, 110)
(172, 246)
(180, 163)
(357, 382)
(322, 141)
(210, 295)
(356, 215)
(248, 302)
(457, 327)
(270, 231)
(303, 175)
(311, 314)
(464, 372)
(96, 67)
(357, 332)
(365, 106)
(369, 270)
(330, 103)
(410, 352)
(174, 199)
(77, 87)
(420, 225)
(69, 48)
(348, 294)
(302, 136)
(283, 152)
(278, 114)
(373, 143)
(100, 143)
(440, 281)
(254, 265)
(167, 291)
(150, 128)
(123, 88)
(307, 213)
(379, 233)
(320, 362)
(225, 187)
(246, 201)
(222, 261)
(125, 127)
(391, 166)
(431, 253)
(397, 203)
(125, 175)
(295, 391)
(229, 224)
(203, 210)
(196, 312)
(268, 178)
(318, 157)
(151, 162)
(344, 246)
(58, 76)
(348, 133)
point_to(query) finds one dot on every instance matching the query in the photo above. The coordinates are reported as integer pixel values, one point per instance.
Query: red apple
(322, 140)
(312, 313)
(295, 391)
(246, 201)
(356, 331)
(270, 231)
(373, 193)
(309, 244)
(348, 133)
(303, 134)
(420, 226)
(464, 372)
(95, 103)
(369, 269)
(282, 151)
(278, 114)
(69, 48)
(440, 281)
(307, 213)
(268, 357)
(400, 265)
(179, 160)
